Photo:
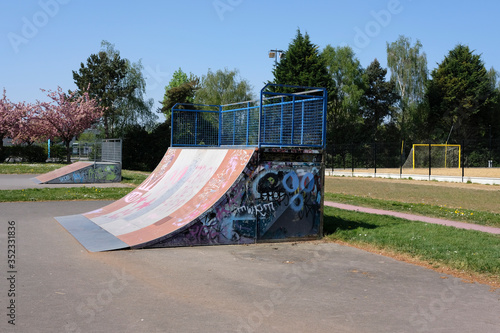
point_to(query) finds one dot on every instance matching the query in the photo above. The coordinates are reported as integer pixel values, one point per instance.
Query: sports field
(468, 172)
(457, 195)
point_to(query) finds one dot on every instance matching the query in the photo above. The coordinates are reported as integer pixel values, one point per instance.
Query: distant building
(7, 142)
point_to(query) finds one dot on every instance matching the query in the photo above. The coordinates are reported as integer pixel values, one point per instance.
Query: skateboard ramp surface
(183, 186)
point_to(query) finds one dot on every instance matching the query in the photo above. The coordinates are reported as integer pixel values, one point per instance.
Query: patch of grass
(471, 251)
(60, 193)
(23, 168)
(457, 195)
(450, 213)
(134, 177)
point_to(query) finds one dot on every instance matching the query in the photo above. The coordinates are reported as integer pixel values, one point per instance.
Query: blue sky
(43, 41)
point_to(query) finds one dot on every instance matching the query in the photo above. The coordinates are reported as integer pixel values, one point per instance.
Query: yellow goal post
(445, 145)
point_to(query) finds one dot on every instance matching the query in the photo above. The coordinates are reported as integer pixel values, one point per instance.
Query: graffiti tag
(259, 209)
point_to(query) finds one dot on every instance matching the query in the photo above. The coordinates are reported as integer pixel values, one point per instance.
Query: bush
(3, 154)
(57, 152)
(31, 153)
(142, 150)
(34, 154)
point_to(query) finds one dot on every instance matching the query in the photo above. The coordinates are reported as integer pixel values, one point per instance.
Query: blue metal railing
(278, 119)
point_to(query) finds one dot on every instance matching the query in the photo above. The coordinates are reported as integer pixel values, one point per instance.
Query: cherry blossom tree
(24, 124)
(6, 118)
(19, 121)
(65, 116)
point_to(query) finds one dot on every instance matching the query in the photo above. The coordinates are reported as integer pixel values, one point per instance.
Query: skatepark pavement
(269, 287)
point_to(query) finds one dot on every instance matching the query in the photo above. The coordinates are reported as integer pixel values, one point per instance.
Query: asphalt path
(272, 287)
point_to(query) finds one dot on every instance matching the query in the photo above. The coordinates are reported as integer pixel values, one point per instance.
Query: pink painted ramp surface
(65, 170)
(185, 184)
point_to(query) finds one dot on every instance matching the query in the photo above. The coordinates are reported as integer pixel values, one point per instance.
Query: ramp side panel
(61, 172)
(289, 199)
(83, 173)
(215, 187)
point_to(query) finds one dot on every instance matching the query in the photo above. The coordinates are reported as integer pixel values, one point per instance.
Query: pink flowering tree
(19, 121)
(24, 124)
(65, 116)
(6, 118)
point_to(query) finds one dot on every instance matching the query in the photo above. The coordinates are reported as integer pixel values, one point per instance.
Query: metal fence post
(462, 158)
(248, 123)
(430, 145)
(220, 126)
(352, 158)
(293, 121)
(172, 127)
(281, 119)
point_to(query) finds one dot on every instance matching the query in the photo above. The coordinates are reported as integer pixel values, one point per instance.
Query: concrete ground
(278, 287)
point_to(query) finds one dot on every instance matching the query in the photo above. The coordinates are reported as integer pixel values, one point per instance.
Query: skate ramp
(82, 173)
(183, 187)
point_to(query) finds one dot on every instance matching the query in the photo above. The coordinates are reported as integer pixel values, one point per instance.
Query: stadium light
(275, 54)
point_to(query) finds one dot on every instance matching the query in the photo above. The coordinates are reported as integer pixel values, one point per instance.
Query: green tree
(180, 89)
(408, 67)
(344, 118)
(461, 96)
(178, 79)
(135, 109)
(378, 101)
(119, 86)
(223, 87)
(302, 65)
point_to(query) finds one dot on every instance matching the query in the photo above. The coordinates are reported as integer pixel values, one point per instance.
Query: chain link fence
(467, 158)
(105, 150)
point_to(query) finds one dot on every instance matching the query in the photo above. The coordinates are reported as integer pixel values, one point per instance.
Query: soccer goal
(439, 156)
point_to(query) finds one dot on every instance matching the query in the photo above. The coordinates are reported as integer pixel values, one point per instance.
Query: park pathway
(411, 217)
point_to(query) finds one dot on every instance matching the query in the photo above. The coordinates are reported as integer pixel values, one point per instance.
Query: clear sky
(43, 41)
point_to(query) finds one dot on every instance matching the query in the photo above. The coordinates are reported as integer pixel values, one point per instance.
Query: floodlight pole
(274, 54)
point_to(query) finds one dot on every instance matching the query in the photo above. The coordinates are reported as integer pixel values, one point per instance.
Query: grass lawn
(134, 177)
(465, 250)
(34, 168)
(452, 195)
(444, 212)
(469, 203)
(61, 193)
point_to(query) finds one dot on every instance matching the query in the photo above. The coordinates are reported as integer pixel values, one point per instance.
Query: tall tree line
(458, 100)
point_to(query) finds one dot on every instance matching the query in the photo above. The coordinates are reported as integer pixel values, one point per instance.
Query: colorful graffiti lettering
(65, 179)
(257, 210)
(98, 173)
